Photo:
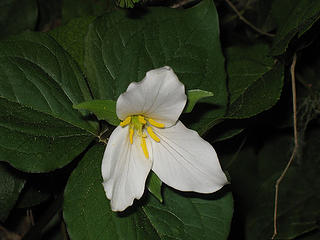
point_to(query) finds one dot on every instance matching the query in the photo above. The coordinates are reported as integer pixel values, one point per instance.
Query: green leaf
(294, 17)
(71, 37)
(88, 216)
(17, 16)
(245, 65)
(11, 185)
(120, 49)
(37, 142)
(103, 109)
(194, 96)
(154, 185)
(255, 81)
(39, 129)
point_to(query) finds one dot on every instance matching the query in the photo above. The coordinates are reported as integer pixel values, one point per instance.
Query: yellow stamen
(152, 134)
(125, 122)
(156, 124)
(141, 119)
(131, 135)
(144, 147)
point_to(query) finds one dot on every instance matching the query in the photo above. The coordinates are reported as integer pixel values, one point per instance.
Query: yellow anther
(144, 147)
(125, 122)
(131, 135)
(156, 124)
(152, 134)
(141, 119)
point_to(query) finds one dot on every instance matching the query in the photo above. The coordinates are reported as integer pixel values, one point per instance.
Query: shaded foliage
(50, 183)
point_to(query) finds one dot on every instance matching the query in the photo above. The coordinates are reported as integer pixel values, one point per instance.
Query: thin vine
(294, 103)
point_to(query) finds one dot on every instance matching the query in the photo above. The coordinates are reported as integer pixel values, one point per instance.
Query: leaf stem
(105, 141)
(294, 103)
(242, 18)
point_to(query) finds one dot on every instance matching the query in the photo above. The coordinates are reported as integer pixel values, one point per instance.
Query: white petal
(160, 95)
(185, 161)
(124, 169)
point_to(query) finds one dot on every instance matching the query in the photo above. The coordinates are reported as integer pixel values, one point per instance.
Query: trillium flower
(150, 137)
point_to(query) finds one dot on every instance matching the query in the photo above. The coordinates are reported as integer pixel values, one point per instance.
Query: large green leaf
(39, 83)
(255, 80)
(17, 16)
(88, 215)
(11, 185)
(293, 17)
(122, 47)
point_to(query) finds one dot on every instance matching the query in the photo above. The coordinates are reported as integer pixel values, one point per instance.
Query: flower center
(137, 125)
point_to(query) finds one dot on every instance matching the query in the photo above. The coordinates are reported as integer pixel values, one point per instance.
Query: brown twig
(180, 3)
(64, 231)
(103, 140)
(247, 22)
(30, 217)
(294, 103)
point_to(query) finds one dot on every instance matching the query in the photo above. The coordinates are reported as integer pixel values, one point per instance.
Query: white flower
(150, 136)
